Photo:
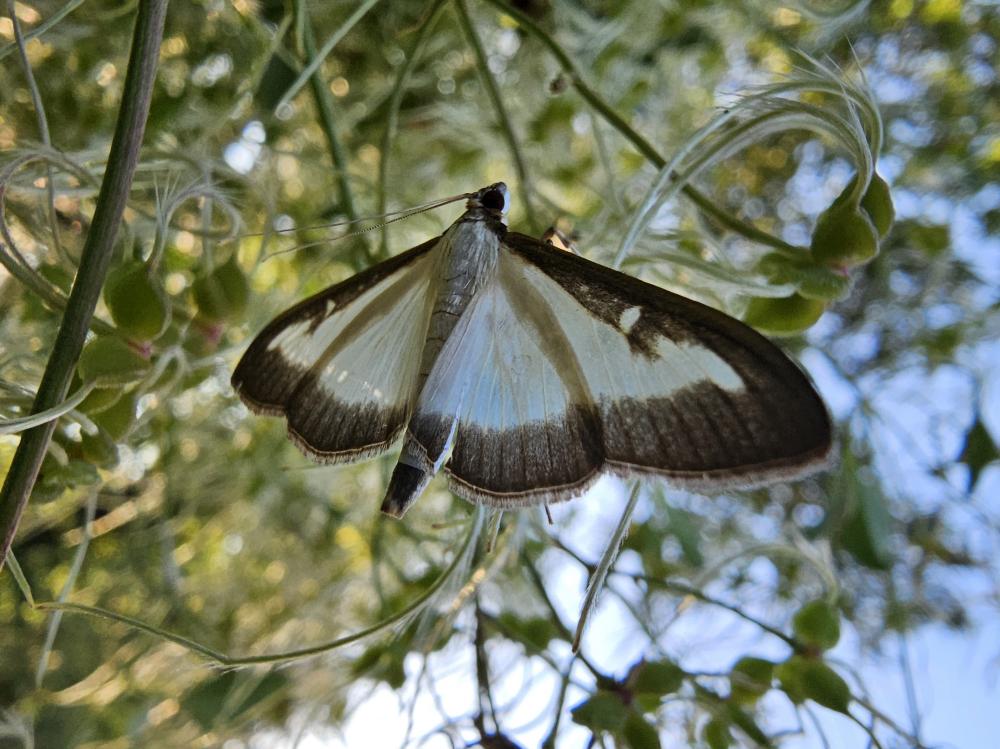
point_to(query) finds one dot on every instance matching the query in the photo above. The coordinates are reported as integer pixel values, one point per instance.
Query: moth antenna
(398, 216)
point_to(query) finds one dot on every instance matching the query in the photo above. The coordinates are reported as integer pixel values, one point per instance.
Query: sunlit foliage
(827, 171)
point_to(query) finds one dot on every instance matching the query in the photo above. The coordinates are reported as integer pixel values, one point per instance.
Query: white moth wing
(566, 369)
(342, 366)
(492, 375)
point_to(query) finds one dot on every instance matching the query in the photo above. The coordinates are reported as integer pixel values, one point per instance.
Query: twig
(74, 572)
(705, 598)
(13, 426)
(324, 52)
(230, 661)
(564, 631)
(44, 26)
(94, 262)
(685, 589)
(43, 128)
(642, 145)
(392, 116)
(550, 739)
(506, 125)
(600, 574)
(324, 105)
(486, 702)
(911, 693)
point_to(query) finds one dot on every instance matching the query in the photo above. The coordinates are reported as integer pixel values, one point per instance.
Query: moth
(526, 371)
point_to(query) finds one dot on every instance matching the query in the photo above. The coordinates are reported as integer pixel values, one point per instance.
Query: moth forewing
(341, 367)
(720, 400)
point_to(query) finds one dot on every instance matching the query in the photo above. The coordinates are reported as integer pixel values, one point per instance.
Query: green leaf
(817, 624)
(812, 281)
(933, 239)
(605, 711)
(869, 525)
(809, 678)
(204, 702)
(749, 679)
(783, 316)
(223, 294)
(683, 527)
(54, 478)
(844, 236)
(656, 678)
(57, 275)
(117, 419)
(534, 632)
(384, 662)
(745, 722)
(109, 362)
(825, 686)
(277, 79)
(137, 301)
(877, 202)
(211, 699)
(716, 734)
(790, 675)
(639, 733)
(978, 452)
(823, 284)
(554, 119)
(99, 399)
(858, 518)
(99, 449)
(941, 343)
(272, 683)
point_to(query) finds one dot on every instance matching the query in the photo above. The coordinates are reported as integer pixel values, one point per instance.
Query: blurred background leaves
(648, 132)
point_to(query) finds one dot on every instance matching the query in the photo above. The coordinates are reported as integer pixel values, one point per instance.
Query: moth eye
(494, 200)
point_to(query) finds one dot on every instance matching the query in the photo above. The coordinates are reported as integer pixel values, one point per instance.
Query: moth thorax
(468, 263)
(471, 259)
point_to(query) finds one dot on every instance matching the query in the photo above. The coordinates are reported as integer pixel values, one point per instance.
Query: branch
(462, 11)
(643, 146)
(94, 262)
(392, 115)
(328, 121)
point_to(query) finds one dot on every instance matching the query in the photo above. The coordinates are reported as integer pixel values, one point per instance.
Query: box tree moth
(526, 371)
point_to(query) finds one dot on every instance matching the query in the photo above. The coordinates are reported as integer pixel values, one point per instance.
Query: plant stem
(328, 121)
(600, 574)
(539, 583)
(462, 11)
(392, 116)
(43, 130)
(705, 203)
(222, 659)
(44, 26)
(94, 262)
(324, 51)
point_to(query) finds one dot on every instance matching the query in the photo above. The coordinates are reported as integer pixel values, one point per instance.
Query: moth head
(493, 198)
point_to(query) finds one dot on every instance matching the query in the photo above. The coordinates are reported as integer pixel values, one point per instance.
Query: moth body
(468, 262)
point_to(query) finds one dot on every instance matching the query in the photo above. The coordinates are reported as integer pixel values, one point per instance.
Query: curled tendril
(850, 119)
(170, 200)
